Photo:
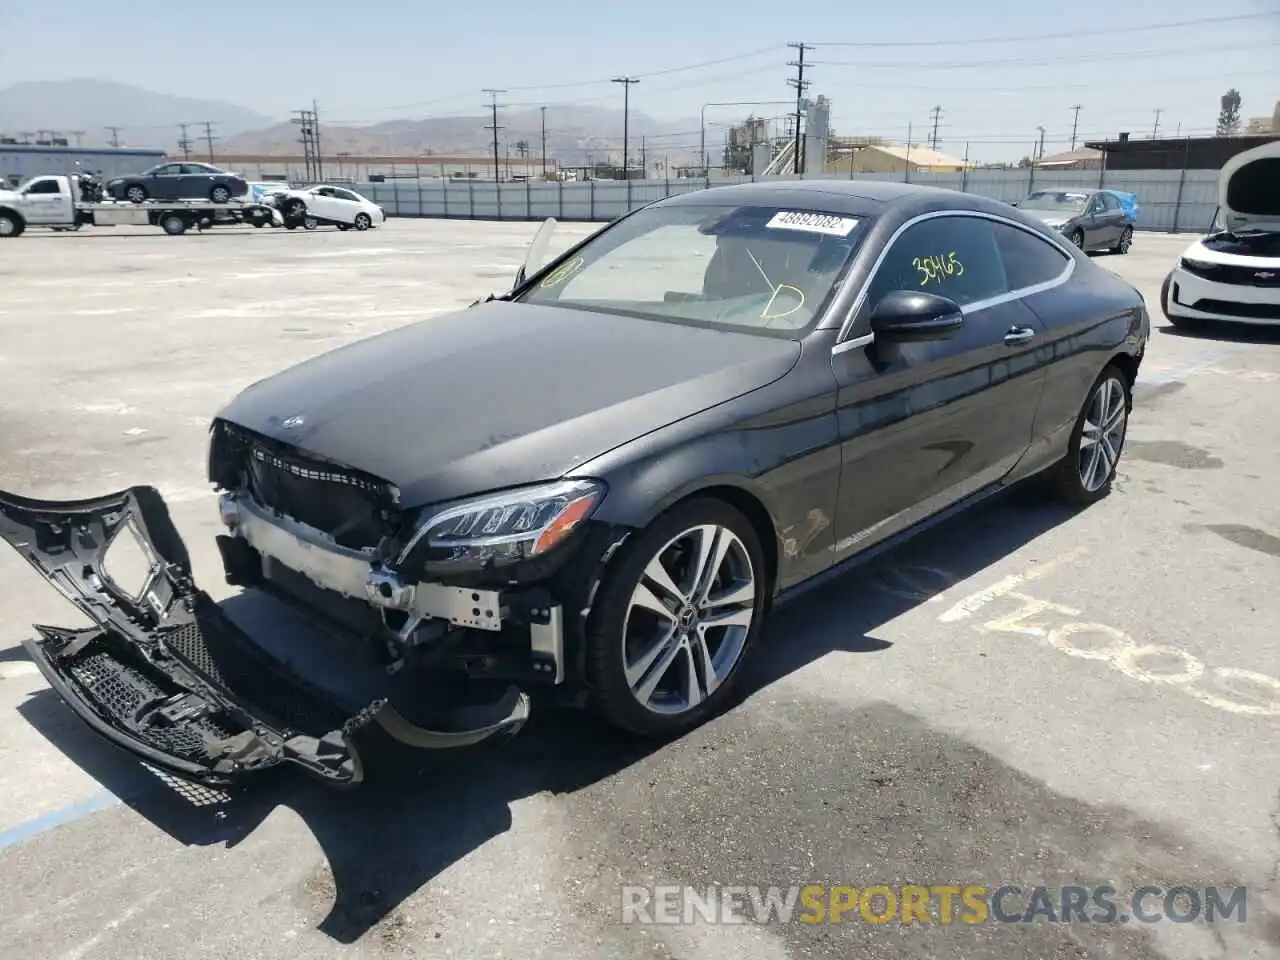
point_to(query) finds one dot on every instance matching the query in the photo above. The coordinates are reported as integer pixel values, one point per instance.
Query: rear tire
(1077, 238)
(135, 193)
(1125, 242)
(173, 224)
(1085, 474)
(628, 641)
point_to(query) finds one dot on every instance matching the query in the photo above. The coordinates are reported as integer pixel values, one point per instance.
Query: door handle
(1019, 335)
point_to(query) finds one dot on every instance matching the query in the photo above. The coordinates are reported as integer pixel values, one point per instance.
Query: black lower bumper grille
(1251, 311)
(352, 507)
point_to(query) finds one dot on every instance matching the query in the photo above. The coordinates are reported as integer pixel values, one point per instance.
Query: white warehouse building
(21, 161)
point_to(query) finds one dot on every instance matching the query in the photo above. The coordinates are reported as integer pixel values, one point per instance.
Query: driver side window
(952, 256)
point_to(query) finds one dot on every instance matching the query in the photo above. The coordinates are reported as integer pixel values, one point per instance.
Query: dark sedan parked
(179, 181)
(597, 485)
(1091, 219)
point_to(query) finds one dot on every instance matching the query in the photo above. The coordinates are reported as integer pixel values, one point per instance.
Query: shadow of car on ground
(424, 811)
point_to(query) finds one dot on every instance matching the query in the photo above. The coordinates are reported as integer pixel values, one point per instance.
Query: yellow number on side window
(562, 272)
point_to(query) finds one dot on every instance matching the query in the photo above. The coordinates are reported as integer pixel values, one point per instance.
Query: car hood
(1249, 189)
(8, 196)
(502, 394)
(1259, 251)
(1049, 218)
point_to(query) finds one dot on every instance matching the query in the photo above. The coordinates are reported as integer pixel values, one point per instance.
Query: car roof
(851, 197)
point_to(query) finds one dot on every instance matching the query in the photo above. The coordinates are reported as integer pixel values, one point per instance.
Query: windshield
(767, 270)
(1057, 201)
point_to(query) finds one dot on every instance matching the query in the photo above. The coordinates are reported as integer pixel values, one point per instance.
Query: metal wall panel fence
(1169, 200)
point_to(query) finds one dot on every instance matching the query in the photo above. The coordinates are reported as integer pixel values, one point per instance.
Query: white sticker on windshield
(813, 223)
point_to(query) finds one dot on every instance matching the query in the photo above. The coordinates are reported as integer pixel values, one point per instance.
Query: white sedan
(323, 204)
(1233, 274)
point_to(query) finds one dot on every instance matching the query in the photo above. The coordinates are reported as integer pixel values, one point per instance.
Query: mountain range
(86, 110)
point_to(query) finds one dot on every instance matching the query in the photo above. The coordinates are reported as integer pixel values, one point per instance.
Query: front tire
(219, 194)
(11, 225)
(310, 223)
(363, 221)
(678, 611)
(1085, 474)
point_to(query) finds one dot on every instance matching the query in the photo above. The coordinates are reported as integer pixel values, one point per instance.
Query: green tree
(1229, 115)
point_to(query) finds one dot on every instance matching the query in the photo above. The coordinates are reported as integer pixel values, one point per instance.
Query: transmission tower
(185, 143)
(307, 126)
(493, 105)
(936, 114)
(209, 138)
(1075, 124)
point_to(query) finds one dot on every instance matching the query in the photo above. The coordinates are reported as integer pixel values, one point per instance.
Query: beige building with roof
(891, 158)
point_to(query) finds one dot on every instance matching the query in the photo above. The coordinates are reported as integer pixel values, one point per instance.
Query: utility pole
(184, 144)
(493, 105)
(644, 160)
(544, 143)
(936, 113)
(626, 117)
(315, 139)
(801, 85)
(115, 135)
(1075, 124)
(1156, 128)
(306, 121)
(209, 138)
(1040, 151)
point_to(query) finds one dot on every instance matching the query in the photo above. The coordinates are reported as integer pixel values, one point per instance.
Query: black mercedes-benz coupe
(593, 488)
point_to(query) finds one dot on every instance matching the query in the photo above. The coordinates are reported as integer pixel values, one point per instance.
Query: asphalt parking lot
(1023, 696)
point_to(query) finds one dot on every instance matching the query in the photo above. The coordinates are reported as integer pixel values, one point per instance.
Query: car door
(349, 204)
(1095, 223)
(923, 425)
(1112, 217)
(164, 182)
(44, 201)
(323, 203)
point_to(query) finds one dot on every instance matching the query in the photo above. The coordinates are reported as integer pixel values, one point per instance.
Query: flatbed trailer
(53, 202)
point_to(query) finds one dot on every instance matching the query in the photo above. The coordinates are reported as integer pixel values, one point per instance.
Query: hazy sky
(883, 64)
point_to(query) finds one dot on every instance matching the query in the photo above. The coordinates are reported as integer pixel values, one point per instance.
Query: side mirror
(1015, 203)
(536, 255)
(907, 316)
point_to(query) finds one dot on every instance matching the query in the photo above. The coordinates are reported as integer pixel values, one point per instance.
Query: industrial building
(21, 161)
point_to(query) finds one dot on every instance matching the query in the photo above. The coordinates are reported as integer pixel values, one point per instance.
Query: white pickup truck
(55, 202)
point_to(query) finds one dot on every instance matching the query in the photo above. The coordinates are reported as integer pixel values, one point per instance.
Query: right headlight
(1195, 266)
(505, 527)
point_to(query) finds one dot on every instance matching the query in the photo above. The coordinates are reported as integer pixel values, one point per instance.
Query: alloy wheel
(8, 227)
(1126, 239)
(135, 194)
(1077, 237)
(1102, 434)
(688, 620)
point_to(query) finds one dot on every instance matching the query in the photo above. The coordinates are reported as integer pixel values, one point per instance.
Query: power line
(801, 85)
(1066, 35)
(936, 113)
(1045, 61)
(493, 97)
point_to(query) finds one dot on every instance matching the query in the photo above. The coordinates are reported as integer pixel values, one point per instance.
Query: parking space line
(96, 803)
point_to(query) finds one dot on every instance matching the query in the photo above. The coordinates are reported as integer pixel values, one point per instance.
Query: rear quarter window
(1028, 260)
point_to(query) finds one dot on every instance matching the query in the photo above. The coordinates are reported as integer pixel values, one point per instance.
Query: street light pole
(626, 117)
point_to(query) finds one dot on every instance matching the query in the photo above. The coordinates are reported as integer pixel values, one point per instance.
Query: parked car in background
(327, 204)
(1233, 274)
(180, 181)
(1091, 219)
(596, 485)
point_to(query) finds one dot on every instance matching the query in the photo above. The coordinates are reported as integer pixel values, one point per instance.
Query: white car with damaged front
(328, 204)
(1233, 275)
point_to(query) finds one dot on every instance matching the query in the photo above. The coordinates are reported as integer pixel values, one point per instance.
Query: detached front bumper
(1197, 298)
(167, 676)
